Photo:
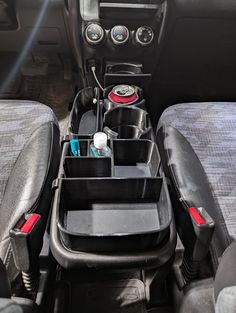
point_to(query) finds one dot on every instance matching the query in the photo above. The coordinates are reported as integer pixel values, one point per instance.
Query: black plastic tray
(110, 205)
(112, 214)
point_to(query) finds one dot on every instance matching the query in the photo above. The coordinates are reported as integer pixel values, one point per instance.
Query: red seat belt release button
(196, 216)
(29, 224)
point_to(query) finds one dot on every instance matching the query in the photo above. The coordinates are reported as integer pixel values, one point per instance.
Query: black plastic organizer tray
(113, 203)
(111, 212)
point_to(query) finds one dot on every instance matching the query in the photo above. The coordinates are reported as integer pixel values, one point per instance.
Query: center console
(112, 211)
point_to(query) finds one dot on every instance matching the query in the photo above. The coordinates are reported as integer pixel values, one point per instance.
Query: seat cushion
(29, 156)
(9, 306)
(210, 129)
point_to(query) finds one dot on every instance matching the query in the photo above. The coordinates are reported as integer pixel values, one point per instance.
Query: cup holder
(127, 131)
(128, 122)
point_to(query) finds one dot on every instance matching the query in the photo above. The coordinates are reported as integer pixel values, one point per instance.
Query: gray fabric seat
(29, 156)
(210, 129)
(9, 306)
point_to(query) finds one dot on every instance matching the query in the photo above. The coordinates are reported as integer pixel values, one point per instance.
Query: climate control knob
(94, 34)
(144, 35)
(119, 34)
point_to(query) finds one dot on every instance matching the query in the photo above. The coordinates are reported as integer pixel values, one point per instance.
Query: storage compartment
(126, 9)
(84, 148)
(113, 214)
(124, 68)
(135, 158)
(130, 158)
(85, 117)
(88, 167)
(85, 165)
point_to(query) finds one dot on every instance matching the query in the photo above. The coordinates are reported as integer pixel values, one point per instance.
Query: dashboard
(118, 31)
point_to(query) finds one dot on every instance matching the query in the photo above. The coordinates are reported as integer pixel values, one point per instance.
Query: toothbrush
(75, 147)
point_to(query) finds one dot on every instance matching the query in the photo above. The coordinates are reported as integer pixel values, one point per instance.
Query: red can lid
(123, 94)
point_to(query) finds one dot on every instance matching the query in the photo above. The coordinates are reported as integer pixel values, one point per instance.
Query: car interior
(117, 156)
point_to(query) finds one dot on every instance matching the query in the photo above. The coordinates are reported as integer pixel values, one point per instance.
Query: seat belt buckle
(203, 226)
(200, 217)
(24, 237)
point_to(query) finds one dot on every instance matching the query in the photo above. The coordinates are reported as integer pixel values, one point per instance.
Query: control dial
(94, 34)
(119, 34)
(144, 35)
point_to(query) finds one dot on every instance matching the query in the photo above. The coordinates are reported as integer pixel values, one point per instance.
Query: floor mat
(52, 90)
(125, 296)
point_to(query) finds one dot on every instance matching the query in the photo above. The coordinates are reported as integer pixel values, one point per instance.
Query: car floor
(54, 91)
(91, 291)
(43, 79)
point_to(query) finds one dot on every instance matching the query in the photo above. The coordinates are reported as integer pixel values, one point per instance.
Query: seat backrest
(197, 54)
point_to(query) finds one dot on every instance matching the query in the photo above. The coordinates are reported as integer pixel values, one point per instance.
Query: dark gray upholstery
(18, 122)
(29, 156)
(9, 306)
(210, 128)
(226, 272)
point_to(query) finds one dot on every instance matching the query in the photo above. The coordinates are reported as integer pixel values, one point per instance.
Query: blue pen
(75, 147)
